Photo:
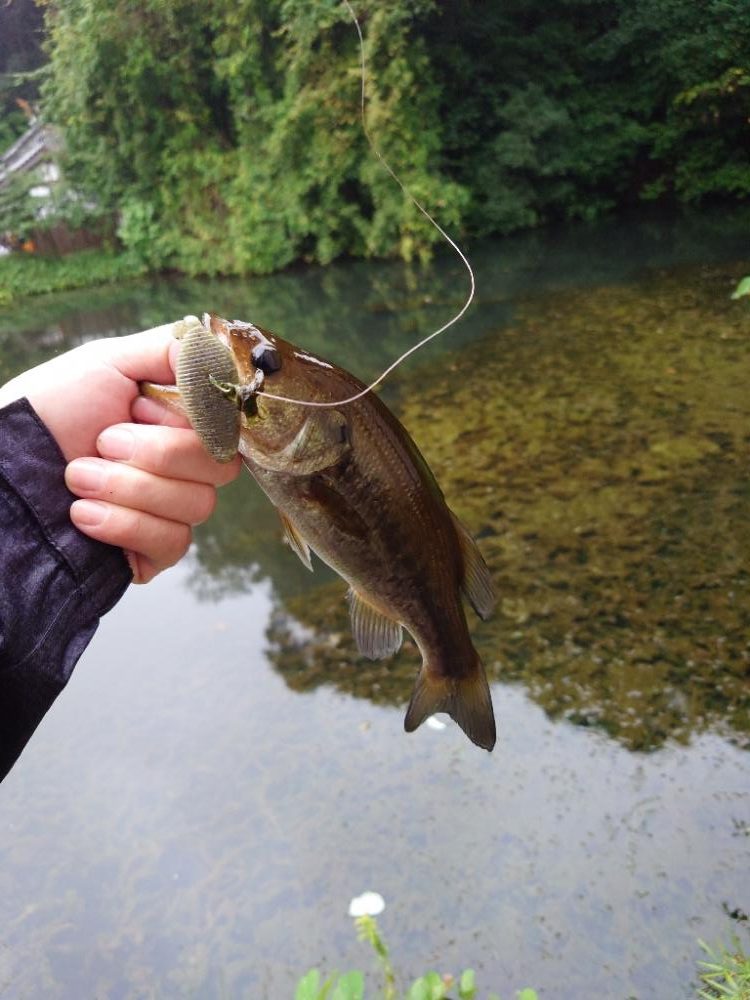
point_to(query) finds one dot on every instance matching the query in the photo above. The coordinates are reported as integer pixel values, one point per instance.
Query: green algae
(598, 449)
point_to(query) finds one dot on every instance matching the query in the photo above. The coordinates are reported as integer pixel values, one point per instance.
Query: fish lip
(220, 335)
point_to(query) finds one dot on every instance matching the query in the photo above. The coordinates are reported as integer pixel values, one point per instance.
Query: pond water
(224, 773)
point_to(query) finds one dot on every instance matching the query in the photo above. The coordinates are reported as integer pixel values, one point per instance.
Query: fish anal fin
(466, 699)
(295, 540)
(477, 582)
(376, 635)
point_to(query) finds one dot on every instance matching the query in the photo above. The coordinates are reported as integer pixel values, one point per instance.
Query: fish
(350, 485)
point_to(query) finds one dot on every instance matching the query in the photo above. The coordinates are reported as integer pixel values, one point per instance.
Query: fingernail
(116, 442)
(88, 513)
(85, 475)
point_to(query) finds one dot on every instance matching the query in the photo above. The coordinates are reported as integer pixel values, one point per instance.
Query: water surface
(224, 772)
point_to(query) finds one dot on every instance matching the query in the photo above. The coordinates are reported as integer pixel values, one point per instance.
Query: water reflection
(361, 313)
(597, 446)
(182, 824)
(594, 437)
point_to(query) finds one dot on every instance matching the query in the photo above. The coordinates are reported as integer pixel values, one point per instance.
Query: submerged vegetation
(225, 137)
(596, 446)
(596, 440)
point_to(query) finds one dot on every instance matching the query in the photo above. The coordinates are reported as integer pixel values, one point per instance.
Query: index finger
(172, 452)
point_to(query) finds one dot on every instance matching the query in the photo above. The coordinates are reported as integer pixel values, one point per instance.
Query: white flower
(368, 904)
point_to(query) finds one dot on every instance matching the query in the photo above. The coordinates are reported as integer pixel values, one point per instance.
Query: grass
(726, 973)
(351, 985)
(23, 275)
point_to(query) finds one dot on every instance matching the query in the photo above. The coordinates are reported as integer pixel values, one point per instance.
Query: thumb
(146, 356)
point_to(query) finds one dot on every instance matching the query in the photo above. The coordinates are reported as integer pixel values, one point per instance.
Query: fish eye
(266, 357)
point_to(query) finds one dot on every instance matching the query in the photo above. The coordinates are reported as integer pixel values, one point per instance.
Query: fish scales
(350, 485)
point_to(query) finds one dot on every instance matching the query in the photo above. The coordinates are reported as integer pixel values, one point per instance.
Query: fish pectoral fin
(376, 635)
(477, 583)
(295, 540)
(466, 699)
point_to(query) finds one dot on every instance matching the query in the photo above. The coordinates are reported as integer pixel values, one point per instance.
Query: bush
(23, 274)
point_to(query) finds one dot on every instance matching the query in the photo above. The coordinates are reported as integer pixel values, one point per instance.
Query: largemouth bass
(350, 485)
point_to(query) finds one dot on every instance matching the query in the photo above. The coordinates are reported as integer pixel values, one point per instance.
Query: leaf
(742, 289)
(467, 989)
(527, 994)
(351, 986)
(419, 990)
(427, 987)
(308, 986)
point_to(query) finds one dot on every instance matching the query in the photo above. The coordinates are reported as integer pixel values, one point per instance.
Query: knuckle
(179, 544)
(158, 452)
(160, 543)
(205, 504)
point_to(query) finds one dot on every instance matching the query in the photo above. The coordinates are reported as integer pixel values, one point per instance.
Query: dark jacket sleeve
(55, 583)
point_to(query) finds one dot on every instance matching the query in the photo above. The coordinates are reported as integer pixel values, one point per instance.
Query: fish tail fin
(466, 699)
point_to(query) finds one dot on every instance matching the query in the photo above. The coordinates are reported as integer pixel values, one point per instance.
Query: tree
(227, 136)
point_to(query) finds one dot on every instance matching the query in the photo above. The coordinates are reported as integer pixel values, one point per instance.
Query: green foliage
(726, 974)
(20, 57)
(742, 289)
(351, 985)
(367, 930)
(21, 274)
(12, 125)
(569, 110)
(23, 215)
(228, 136)
(17, 207)
(140, 232)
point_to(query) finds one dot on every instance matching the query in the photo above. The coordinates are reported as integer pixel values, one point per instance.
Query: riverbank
(650, 237)
(24, 275)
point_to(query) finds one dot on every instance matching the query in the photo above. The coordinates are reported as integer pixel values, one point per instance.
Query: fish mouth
(264, 353)
(218, 327)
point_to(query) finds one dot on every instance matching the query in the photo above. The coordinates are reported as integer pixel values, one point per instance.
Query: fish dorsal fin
(376, 636)
(477, 582)
(296, 542)
(321, 442)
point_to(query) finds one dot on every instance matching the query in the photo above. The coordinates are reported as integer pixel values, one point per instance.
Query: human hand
(143, 477)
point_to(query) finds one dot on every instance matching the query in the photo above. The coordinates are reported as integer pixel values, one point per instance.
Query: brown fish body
(377, 517)
(350, 484)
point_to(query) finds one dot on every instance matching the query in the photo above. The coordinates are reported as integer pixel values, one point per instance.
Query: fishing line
(472, 283)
